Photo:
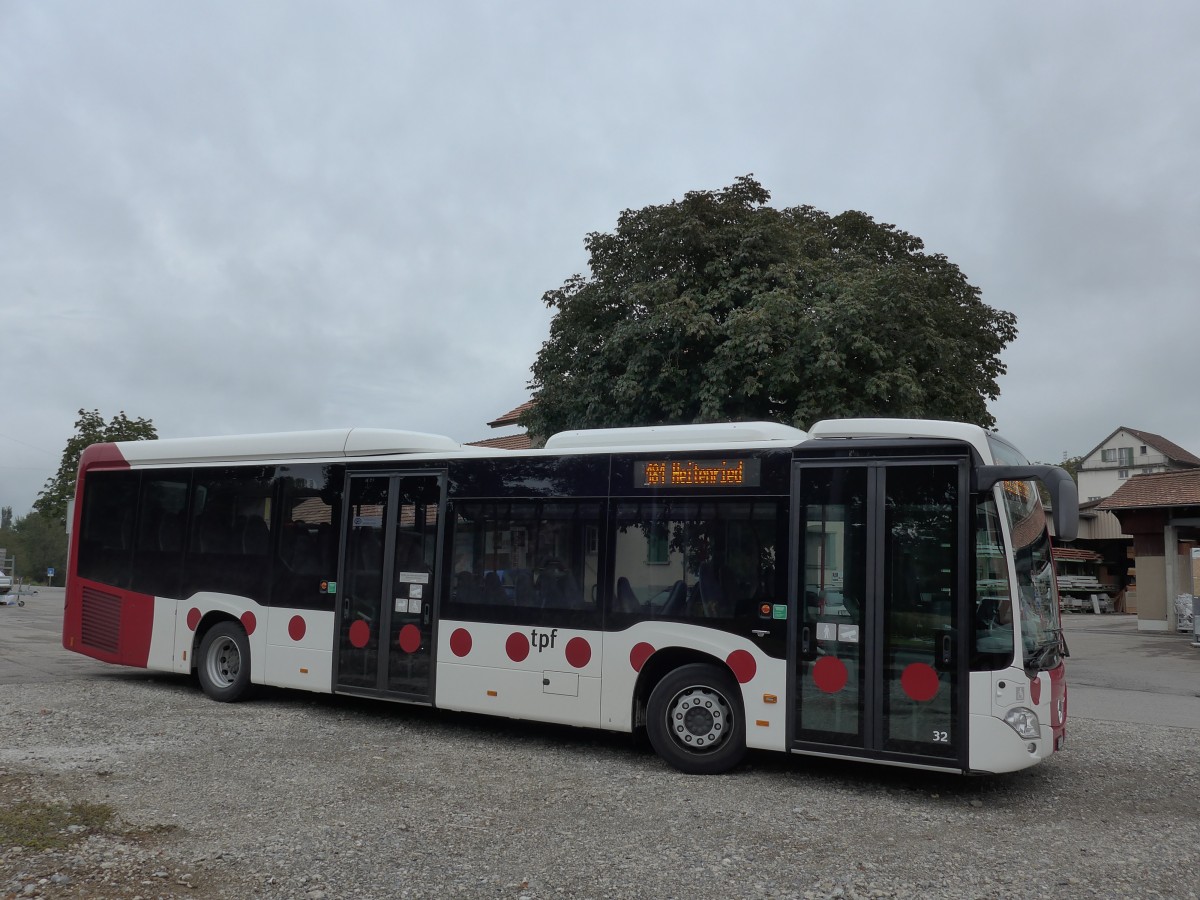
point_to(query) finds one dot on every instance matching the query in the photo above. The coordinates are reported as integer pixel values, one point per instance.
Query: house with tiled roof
(1125, 453)
(515, 440)
(1162, 512)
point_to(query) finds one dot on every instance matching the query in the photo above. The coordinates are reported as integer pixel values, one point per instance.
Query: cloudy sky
(238, 217)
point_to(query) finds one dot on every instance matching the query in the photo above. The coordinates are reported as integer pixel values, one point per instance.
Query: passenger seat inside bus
(626, 601)
(676, 604)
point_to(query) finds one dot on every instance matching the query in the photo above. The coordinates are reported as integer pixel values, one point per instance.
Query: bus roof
(664, 436)
(330, 443)
(345, 443)
(974, 435)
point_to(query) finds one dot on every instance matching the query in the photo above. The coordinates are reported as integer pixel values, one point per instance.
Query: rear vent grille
(101, 621)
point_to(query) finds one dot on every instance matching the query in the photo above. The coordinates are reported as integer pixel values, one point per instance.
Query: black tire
(223, 666)
(694, 720)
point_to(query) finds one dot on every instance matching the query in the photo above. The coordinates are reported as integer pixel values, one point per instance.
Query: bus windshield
(1036, 594)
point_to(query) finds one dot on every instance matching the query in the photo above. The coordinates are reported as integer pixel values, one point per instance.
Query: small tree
(90, 429)
(719, 307)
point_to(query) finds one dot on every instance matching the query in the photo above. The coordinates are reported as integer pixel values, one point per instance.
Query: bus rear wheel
(694, 720)
(224, 664)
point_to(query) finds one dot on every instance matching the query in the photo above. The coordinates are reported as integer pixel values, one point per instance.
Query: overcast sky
(239, 217)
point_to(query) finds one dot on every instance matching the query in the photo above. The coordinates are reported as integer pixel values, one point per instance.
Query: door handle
(947, 649)
(425, 615)
(806, 642)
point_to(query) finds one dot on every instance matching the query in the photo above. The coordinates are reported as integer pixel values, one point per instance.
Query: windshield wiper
(1035, 659)
(1054, 643)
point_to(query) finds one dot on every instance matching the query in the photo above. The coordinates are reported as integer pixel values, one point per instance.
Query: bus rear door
(387, 584)
(877, 654)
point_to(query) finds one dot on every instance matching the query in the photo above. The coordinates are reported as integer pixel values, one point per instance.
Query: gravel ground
(295, 796)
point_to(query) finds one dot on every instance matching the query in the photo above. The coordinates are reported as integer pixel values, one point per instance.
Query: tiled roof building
(1162, 512)
(518, 441)
(1165, 489)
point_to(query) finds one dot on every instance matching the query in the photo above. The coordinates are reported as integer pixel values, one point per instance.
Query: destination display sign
(715, 473)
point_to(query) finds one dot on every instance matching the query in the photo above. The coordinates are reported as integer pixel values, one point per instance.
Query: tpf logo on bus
(542, 641)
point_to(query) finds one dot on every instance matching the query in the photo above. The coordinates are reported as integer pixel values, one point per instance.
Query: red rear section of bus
(101, 621)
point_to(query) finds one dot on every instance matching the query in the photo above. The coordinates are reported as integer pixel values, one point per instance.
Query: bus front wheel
(694, 720)
(224, 664)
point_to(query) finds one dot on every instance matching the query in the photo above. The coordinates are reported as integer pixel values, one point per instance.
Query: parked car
(6, 583)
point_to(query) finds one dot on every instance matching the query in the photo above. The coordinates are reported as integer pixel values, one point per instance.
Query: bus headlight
(1023, 721)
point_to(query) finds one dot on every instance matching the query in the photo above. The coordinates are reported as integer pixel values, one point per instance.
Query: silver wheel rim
(699, 719)
(224, 662)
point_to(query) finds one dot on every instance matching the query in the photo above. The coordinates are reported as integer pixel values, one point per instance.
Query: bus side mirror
(1064, 495)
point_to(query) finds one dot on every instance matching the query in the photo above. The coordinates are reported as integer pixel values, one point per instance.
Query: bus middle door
(878, 666)
(388, 584)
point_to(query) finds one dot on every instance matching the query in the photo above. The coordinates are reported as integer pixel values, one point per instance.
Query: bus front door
(387, 585)
(878, 664)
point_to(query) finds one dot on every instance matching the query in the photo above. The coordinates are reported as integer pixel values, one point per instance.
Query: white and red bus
(875, 589)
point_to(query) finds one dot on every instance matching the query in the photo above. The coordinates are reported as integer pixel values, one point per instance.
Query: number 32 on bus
(874, 589)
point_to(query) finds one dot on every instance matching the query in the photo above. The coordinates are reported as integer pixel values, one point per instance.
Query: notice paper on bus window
(413, 578)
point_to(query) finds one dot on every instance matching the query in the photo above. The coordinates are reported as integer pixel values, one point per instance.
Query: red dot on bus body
(296, 628)
(360, 633)
(829, 674)
(517, 646)
(410, 638)
(743, 665)
(920, 682)
(460, 642)
(639, 654)
(579, 652)
(193, 618)
(249, 622)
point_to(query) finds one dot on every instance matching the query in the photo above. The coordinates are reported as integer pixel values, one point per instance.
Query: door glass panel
(362, 589)
(410, 629)
(833, 505)
(919, 598)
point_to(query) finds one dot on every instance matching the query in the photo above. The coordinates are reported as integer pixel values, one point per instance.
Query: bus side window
(230, 539)
(525, 561)
(710, 559)
(157, 551)
(106, 544)
(306, 562)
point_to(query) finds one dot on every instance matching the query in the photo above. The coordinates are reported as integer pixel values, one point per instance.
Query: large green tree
(90, 428)
(719, 307)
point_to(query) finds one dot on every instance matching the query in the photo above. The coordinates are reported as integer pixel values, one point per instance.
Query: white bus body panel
(163, 636)
(277, 657)
(543, 686)
(993, 745)
(307, 662)
(193, 610)
(766, 726)
(996, 748)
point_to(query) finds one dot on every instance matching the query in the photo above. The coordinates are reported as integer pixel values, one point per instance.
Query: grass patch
(47, 826)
